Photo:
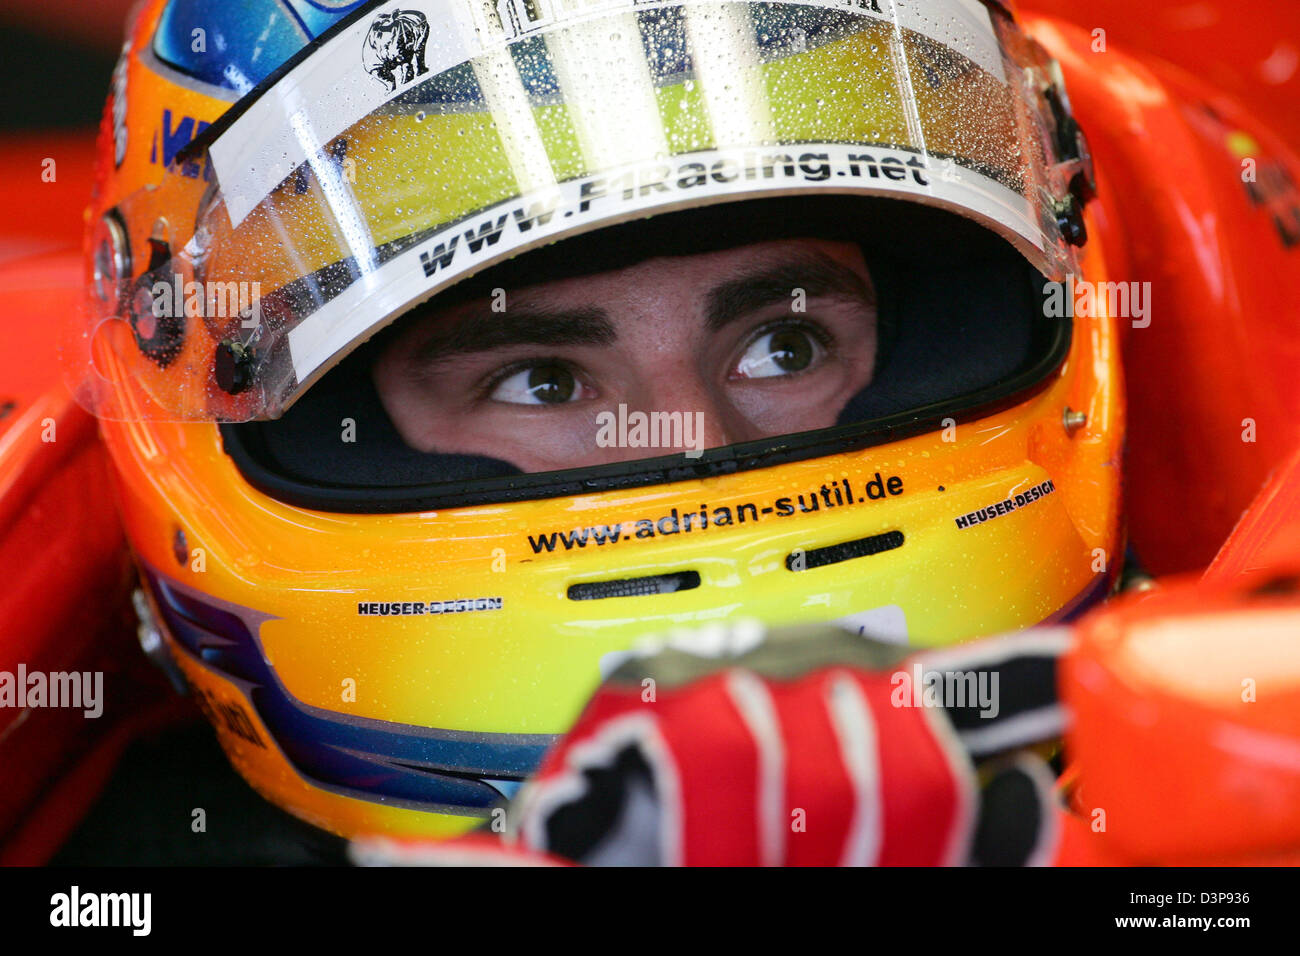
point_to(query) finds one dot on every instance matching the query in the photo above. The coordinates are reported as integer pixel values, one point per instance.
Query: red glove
(808, 747)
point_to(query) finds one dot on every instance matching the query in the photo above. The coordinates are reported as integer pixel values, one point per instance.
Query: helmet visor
(421, 142)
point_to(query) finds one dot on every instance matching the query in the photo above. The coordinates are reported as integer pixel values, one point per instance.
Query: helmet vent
(635, 587)
(845, 551)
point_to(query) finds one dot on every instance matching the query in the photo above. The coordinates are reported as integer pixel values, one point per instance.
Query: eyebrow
(521, 325)
(816, 274)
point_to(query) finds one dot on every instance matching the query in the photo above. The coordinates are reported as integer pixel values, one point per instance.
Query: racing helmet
(387, 636)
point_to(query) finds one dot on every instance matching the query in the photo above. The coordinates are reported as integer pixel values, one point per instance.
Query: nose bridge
(680, 387)
(672, 375)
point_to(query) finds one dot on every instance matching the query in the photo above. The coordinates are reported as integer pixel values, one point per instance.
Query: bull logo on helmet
(394, 49)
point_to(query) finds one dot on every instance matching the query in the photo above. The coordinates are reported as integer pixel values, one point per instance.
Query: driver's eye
(543, 384)
(778, 352)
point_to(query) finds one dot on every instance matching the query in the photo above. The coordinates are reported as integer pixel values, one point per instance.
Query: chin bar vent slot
(845, 551)
(635, 587)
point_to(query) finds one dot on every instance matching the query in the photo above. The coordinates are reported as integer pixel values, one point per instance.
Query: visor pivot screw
(1073, 420)
(1069, 219)
(112, 260)
(233, 367)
